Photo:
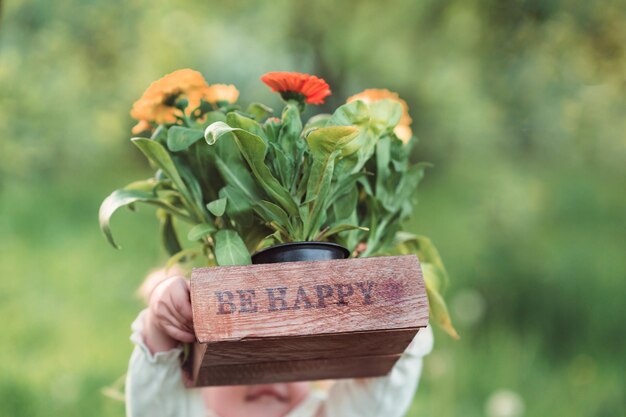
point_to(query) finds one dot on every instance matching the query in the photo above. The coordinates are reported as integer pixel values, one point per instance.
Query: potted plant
(247, 181)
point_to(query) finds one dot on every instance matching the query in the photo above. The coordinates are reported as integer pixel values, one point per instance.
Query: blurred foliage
(519, 104)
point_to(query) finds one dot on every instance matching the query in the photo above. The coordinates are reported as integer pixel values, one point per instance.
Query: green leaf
(353, 113)
(289, 137)
(274, 215)
(272, 239)
(347, 184)
(344, 205)
(438, 309)
(259, 111)
(434, 272)
(230, 249)
(289, 147)
(212, 117)
(239, 206)
(282, 165)
(318, 190)
(201, 161)
(374, 119)
(169, 239)
(338, 229)
(190, 180)
(326, 144)
(409, 243)
(240, 179)
(326, 140)
(160, 134)
(180, 138)
(272, 212)
(384, 115)
(351, 238)
(183, 255)
(217, 207)
(236, 173)
(254, 235)
(123, 197)
(315, 122)
(237, 120)
(199, 231)
(159, 155)
(272, 127)
(253, 149)
(384, 189)
(406, 186)
(143, 185)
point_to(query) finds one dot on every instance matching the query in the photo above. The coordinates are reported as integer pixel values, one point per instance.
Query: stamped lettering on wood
(308, 298)
(285, 298)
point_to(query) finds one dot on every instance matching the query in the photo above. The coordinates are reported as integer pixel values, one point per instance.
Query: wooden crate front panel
(235, 303)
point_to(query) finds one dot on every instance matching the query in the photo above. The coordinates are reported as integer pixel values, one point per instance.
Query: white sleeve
(154, 385)
(388, 396)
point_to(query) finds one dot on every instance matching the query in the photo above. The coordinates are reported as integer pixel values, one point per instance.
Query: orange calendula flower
(403, 129)
(142, 126)
(221, 93)
(298, 86)
(157, 104)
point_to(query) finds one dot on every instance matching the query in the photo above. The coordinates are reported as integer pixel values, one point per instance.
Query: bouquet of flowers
(244, 178)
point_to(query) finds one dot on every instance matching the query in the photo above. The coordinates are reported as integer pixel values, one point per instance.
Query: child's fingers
(179, 319)
(165, 315)
(178, 334)
(171, 307)
(181, 303)
(168, 319)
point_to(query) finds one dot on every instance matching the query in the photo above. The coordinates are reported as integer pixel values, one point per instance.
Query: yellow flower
(157, 102)
(221, 93)
(403, 129)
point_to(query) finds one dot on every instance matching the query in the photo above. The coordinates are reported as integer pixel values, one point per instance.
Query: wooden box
(304, 320)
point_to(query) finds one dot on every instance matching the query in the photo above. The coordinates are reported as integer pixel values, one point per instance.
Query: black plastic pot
(300, 251)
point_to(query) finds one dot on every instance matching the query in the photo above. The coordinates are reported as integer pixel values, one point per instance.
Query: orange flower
(295, 85)
(142, 126)
(221, 93)
(403, 129)
(157, 102)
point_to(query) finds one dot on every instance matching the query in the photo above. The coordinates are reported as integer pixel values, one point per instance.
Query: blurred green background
(521, 106)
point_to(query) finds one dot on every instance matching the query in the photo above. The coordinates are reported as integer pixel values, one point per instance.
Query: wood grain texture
(341, 345)
(304, 320)
(296, 370)
(306, 298)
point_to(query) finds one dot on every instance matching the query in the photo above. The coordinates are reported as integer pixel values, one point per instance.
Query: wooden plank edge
(382, 342)
(292, 371)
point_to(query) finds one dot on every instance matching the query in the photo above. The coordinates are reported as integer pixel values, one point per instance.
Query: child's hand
(169, 320)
